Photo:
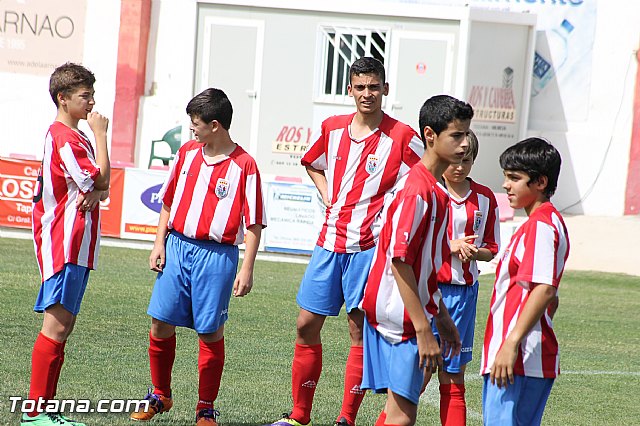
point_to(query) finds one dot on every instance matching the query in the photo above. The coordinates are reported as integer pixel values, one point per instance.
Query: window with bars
(341, 46)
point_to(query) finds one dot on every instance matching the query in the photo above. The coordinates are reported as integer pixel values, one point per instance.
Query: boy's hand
(502, 369)
(157, 258)
(89, 201)
(97, 122)
(449, 336)
(464, 248)
(429, 352)
(243, 283)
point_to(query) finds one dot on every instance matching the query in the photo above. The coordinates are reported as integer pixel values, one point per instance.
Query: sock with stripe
(162, 354)
(305, 373)
(210, 366)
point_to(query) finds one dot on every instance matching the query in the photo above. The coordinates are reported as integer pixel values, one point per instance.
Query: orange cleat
(158, 404)
(207, 417)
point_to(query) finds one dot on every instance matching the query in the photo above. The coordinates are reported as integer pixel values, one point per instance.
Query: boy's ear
(61, 98)
(429, 134)
(541, 183)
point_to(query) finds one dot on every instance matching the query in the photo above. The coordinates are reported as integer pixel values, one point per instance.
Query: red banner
(17, 181)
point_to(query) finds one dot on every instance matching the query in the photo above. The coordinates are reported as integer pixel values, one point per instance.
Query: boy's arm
(539, 300)
(449, 335)
(244, 280)
(320, 181)
(428, 348)
(157, 256)
(99, 125)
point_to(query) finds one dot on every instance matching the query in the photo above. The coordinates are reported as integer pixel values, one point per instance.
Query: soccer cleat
(207, 417)
(158, 404)
(48, 419)
(288, 421)
(342, 422)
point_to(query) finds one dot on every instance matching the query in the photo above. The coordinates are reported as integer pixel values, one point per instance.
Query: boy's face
(458, 172)
(367, 90)
(79, 103)
(202, 131)
(451, 144)
(521, 192)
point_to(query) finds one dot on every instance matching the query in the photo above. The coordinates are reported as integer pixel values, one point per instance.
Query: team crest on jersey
(477, 220)
(222, 188)
(372, 163)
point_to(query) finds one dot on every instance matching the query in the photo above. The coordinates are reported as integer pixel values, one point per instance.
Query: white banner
(295, 214)
(141, 204)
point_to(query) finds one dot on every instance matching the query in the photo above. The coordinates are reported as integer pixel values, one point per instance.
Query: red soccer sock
(453, 409)
(54, 384)
(305, 373)
(381, 419)
(45, 360)
(162, 353)
(353, 395)
(210, 365)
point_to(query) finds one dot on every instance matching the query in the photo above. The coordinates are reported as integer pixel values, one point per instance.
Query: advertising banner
(17, 182)
(141, 204)
(111, 208)
(38, 35)
(295, 214)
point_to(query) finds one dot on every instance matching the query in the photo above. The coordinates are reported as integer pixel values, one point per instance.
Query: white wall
(601, 140)
(26, 109)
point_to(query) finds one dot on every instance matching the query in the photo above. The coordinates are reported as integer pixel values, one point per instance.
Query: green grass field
(106, 357)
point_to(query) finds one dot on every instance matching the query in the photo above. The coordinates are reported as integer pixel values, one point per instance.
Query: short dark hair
(67, 78)
(536, 157)
(440, 110)
(211, 104)
(367, 65)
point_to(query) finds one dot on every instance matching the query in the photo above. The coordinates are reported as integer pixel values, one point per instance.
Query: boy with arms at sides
(354, 161)
(72, 181)
(212, 193)
(402, 296)
(474, 234)
(520, 354)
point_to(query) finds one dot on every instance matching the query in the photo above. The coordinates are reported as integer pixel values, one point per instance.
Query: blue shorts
(461, 301)
(333, 279)
(521, 403)
(194, 288)
(391, 366)
(65, 287)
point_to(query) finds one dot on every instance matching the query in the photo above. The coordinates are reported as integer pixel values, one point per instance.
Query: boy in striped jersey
(354, 161)
(402, 297)
(72, 181)
(474, 234)
(213, 192)
(520, 355)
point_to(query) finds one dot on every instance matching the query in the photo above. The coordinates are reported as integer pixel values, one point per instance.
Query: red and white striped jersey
(415, 231)
(213, 201)
(359, 173)
(475, 214)
(536, 255)
(62, 233)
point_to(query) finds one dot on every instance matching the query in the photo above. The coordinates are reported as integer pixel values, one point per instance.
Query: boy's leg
(400, 411)
(162, 354)
(353, 395)
(210, 365)
(307, 364)
(354, 278)
(461, 301)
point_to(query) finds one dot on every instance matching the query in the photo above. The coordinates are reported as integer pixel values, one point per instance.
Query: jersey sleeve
(539, 259)
(411, 154)
(254, 212)
(78, 161)
(316, 155)
(491, 237)
(168, 189)
(406, 222)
